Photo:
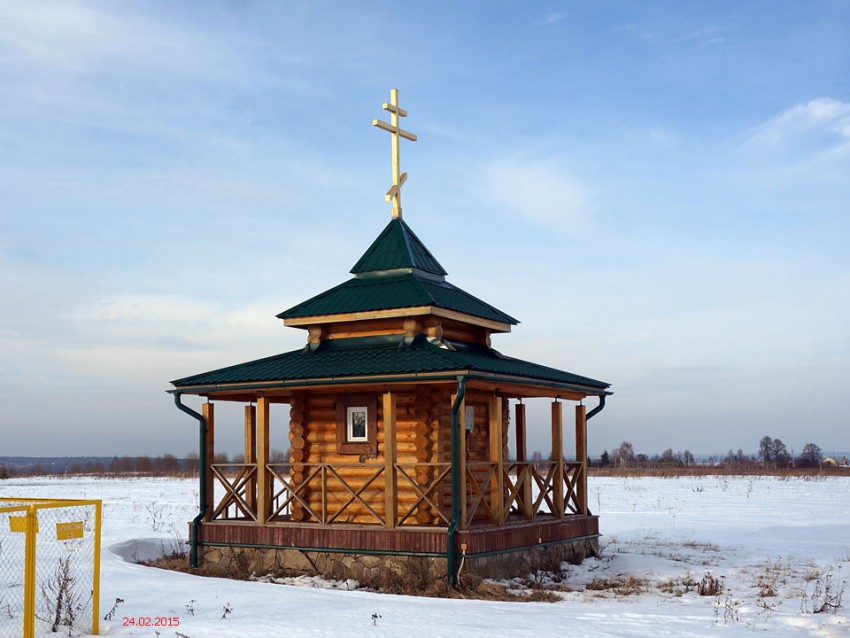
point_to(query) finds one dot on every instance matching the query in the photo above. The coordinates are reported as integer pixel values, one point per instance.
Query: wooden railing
(289, 495)
(528, 490)
(239, 499)
(329, 494)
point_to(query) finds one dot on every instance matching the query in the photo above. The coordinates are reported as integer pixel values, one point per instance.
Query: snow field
(775, 549)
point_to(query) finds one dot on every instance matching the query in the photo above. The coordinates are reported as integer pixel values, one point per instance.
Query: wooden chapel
(398, 427)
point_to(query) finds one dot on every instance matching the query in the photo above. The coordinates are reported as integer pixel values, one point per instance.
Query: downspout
(202, 464)
(450, 542)
(587, 418)
(597, 409)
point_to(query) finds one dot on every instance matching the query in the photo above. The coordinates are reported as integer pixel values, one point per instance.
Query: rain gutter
(306, 383)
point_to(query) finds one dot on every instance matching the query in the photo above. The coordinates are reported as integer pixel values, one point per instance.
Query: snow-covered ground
(778, 547)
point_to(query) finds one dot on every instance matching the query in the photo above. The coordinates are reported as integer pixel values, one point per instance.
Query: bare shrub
(766, 607)
(621, 585)
(703, 545)
(769, 581)
(826, 597)
(111, 614)
(176, 545)
(156, 515)
(710, 585)
(678, 586)
(60, 598)
(729, 607)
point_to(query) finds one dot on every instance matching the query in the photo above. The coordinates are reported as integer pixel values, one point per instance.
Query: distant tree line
(772, 453)
(625, 456)
(164, 465)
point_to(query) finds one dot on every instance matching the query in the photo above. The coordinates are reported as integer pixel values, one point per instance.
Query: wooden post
(497, 486)
(581, 457)
(461, 441)
(558, 458)
(523, 472)
(208, 412)
(390, 457)
(251, 454)
(264, 486)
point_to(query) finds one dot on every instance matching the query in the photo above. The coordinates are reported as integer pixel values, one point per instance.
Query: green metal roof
(397, 247)
(384, 356)
(395, 291)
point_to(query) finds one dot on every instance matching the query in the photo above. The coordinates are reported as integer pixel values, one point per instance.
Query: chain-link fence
(49, 567)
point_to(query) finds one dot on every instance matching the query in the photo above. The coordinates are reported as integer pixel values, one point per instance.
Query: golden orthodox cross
(394, 194)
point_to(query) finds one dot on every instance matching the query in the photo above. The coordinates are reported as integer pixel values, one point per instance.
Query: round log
(326, 401)
(321, 414)
(330, 436)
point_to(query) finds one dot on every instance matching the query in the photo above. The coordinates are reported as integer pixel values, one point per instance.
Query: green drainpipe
(450, 544)
(202, 506)
(597, 409)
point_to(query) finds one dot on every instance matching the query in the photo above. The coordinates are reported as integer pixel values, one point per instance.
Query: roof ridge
(449, 285)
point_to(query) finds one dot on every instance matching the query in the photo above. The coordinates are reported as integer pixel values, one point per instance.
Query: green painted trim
(588, 390)
(421, 377)
(202, 472)
(451, 553)
(597, 409)
(511, 550)
(329, 550)
(385, 552)
(203, 389)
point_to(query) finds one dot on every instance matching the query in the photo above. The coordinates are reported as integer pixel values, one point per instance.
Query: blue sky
(659, 191)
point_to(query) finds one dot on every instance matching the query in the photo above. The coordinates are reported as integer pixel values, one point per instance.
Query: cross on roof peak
(394, 193)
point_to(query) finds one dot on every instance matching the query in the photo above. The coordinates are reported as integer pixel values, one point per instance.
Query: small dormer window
(357, 425)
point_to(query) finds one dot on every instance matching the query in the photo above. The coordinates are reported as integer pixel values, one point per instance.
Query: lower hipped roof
(384, 356)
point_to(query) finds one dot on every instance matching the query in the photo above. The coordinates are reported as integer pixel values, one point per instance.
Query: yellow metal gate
(49, 567)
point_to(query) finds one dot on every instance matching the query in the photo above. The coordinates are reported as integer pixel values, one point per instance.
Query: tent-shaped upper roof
(397, 247)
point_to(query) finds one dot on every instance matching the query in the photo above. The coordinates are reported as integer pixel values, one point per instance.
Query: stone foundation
(523, 561)
(376, 571)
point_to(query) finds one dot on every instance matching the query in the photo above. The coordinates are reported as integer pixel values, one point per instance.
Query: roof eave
(389, 313)
(443, 375)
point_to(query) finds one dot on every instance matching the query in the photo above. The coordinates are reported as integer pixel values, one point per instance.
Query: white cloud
(551, 18)
(820, 124)
(165, 321)
(76, 38)
(145, 308)
(541, 190)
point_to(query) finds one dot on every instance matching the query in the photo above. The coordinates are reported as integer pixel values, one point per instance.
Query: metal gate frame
(28, 523)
